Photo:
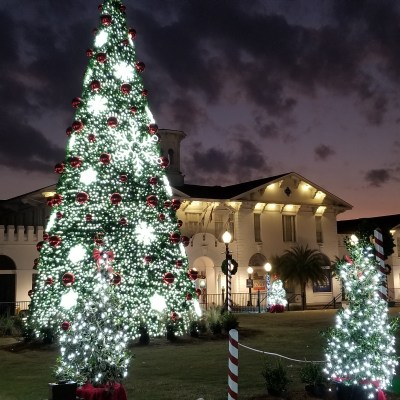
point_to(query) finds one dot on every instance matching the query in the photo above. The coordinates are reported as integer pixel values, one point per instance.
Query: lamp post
(226, 238)
(267, 268)
(249, 285)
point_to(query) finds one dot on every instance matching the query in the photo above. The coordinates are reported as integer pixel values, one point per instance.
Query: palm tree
(300, 265)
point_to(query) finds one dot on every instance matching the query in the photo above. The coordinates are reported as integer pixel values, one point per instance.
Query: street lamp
(268, 268)
(226, 238)
(249, 285)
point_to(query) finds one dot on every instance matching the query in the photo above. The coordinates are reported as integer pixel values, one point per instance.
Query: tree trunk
(303, 296)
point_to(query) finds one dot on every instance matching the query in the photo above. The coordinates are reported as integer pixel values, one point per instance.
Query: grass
(190, 368)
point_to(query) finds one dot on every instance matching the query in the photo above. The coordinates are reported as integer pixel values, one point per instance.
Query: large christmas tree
(112, 260)
(360, 349)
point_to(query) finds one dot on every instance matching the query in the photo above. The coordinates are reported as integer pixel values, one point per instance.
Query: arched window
(6, 263)
(7, 285)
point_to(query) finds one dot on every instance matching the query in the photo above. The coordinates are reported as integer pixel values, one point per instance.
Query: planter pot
(62, 391)
(316, 390)
(352, 392)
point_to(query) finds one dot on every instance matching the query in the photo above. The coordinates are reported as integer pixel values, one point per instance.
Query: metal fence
(13, 308)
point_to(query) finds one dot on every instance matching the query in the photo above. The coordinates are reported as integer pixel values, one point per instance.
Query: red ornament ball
(112, 122)
(167, 204)
(100, 7)
(140, 66)
(89, 217)
(66, 326)
(106, 20)
(161, 217)
(178, 263)
(45, 236)
(133, 110)
(193, 274)
(77, 126)
(179, 223)
(174, 316)
(123, 221)
(98, 241)
(152, 200)
(91, 137)
(54, 240)
(82, 197)
(153, 128)
(116, 279)
(68, 279)
(148, 259)
(105, 158)
(39, 245)
(57, 199)
(185, 241)
(176, 204)
(125, 88)
(125, 42)
(68, 131)
(145, 92)
(132, 33)
(198, 292)
(89, 53)
(101, 58)
(174, 237)
(95, 85)
(49, 281)
(76, 102)
(75, 162)
(115, 198)
(189, 296)
(122, 8)
(153, 180)
(164, 162)
(59, 168)
(50, 202)
(59, 215)
(123, 178)
(168, 278)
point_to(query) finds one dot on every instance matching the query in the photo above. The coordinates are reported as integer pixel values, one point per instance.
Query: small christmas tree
(277, 297)
(360, 348)
(112, 259)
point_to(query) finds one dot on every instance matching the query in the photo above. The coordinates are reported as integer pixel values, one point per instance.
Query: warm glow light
(249, 270)
(320, 211)
(226, 237)
(268, 267)
(319, 195)
(272, 206)
(48, 194)
(354, 239)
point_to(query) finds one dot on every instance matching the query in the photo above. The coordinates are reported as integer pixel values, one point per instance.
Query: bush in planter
(276, 378)
(312, 375)
(213, 319)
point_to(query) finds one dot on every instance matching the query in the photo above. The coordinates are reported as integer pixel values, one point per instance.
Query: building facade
(265, 217)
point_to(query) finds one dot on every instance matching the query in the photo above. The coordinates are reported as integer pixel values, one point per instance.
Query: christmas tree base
(105, 392)
(352, 392)
(62, 391)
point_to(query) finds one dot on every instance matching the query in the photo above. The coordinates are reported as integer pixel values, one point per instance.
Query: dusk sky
(260, 88)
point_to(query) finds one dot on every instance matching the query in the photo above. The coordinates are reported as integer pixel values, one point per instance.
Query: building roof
(384, 222)
(223, 192)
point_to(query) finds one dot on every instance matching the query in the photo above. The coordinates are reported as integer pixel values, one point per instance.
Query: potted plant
(312, 375)
(276, 379)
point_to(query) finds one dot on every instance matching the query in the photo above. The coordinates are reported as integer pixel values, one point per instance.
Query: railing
(333, 302)
(242, 302)
(13, 308)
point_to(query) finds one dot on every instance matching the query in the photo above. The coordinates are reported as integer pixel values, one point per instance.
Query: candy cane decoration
(379, 255)
(229, 286)
(233, 364)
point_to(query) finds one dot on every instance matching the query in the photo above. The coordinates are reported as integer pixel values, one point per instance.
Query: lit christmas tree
(277, 297)
(112, 258)
(360, 349)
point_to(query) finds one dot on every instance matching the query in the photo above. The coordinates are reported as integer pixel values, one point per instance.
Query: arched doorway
(7, 285)
(206, 281)
(257, 262)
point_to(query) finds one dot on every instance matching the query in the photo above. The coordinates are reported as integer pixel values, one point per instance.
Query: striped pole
(233, 364)
(229, 287)
(379, 255)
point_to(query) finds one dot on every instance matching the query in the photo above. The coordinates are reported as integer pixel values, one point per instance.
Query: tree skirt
(106, 392)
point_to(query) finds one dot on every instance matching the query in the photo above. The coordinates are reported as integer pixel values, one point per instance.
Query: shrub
(11, 326)
(171, 331)
(276, 378)
(229, 321)
(312, 374)
(144, 338)
(213, 319)
(194, 329)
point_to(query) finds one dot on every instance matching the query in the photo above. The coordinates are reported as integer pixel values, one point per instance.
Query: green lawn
(190, 368)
